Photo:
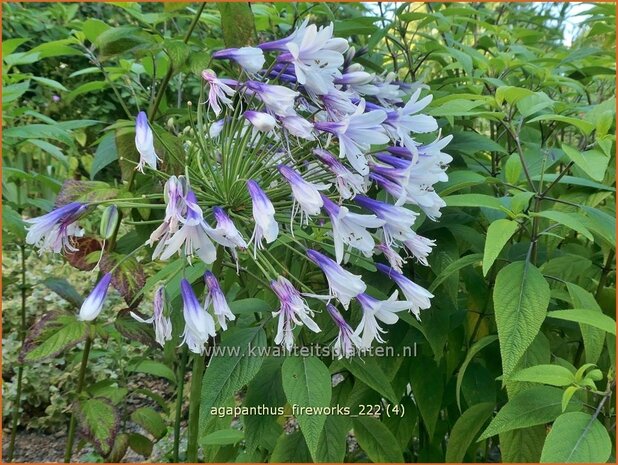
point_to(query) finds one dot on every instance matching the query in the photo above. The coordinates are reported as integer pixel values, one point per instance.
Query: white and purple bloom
(347, 343)
(417, 296)
(298, 126)
(280, 45)
(374, 310)
(401, 122)
(193, 235)
(398, 220)
(338, 103)
(54, 231)
(225, 232)
(174, 196)
(93, 304)
(199, 325)
(293, 311)
(394, 259)
(306, 194)
(260, 120)
(219, 92)
(356, 134)
(215, 128)
(144, 143)
(162, 324)
(251, 59)
(216, 298)
(351, 228)
(266, 227)
(419, 246)
(341, 283)
(348, 184)
(277, 99)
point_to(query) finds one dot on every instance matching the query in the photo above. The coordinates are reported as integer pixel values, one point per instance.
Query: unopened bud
(109, 222)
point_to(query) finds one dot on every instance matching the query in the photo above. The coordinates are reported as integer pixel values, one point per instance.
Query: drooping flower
(342, 284)
(374, 310)
(93, 304)
(260, 120)
(162, 324)
(281, 44)
(199, 325)
(350, 228)
(251, 59)
(266, 227)
(398, 220)
(417, 296)
(347, 343)
(219, 92)
(225, 232)
(144, 143)
(293, 311)
(298, 126)
(215, 128)
(306, 194)
(54, 231)
(356, 134)
(174, 197)
(338, 103)
(348, 184)
(193, 235)
(216, 298)
(394, 259)
(419, 247)
(277, 99)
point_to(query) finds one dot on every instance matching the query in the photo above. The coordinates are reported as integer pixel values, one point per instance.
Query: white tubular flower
(347, 343)
(251, 59)
(266, 227)
(277, 99)
(162, 324)
(374, 310)
(348, 184)
(93, 304)
(144, 143)
(216, 298)
(261, 121)
(306, 194)
(54, 231)
(218, 93)
(418, 297)
(419, 247)
(199, 325)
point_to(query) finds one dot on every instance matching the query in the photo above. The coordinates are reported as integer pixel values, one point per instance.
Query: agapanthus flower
(350, 228)
(401, 122)
(298, 126)
(419, 247)
(394, 259)
(54, 231)
(342, 284)
(251, 59)
(356, 134)
(338, 103)
(417, 296)
(216, 298)
(266, 227)
(226, 233)
(347, 343)
(277, 99)
(162, 324)
(260, 120)
(306, 194)
(199, 325)
(398, 220)
(281, 44)
(93, 304)
(348, 184)
(374, 310)
(214, 130)
(144, 143)
(193, 235)
(219, 92)
(293, 311)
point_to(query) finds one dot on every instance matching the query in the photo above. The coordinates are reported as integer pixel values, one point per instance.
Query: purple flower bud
(199, 325)
(93, 304)
(263, 214)
(250, 59)
(216, 298)
(144, 142)
(261, 121)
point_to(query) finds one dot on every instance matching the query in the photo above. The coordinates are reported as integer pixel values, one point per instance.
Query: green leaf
(140, 444)
(237, 24)
(577, 437)
(583, 126)
(99, 421)
(376, 440)
(65, 290)
(535, 406)
(250, 305)
(570, 220)
(12, 92)
(472, 143)
(222, 437)
(307, 383)
(586, 317)
(465, 430)
(594, 338)
(291, 448)
(428, 389)
(521, 297)
(460, 263)
(105, 155)
(150, 420)
(231, 369)
(53, 150)
(592, 162)
(554, 375)
(55, 335)
(474, 200)
(474, 349)
(152, 367)
(332, 445)
(50, 83)
(116, 40)
(39, 131)
(460, 179)
(368, 370)
(522, 445)
(498, 234)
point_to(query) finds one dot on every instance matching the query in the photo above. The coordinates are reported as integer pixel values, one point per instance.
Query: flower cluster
(308, 142)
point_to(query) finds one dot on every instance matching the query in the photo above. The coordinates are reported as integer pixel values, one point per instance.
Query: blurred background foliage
(528, 90)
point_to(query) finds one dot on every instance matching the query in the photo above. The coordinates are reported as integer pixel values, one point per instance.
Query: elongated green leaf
(570, 220)
(593, 162)
(583, 126)
(457, 265)
(521, 297)
(291, 448)
(222, 437)
(554, 375)
(106, 154)
(498, 234)
(522, 445)
(474, 349)
(586, 317)
(534, 406)
(99, 420)
(474, 200)
(577, 437)
(150, 420)
(376, 440)
(466, 428)
(594, 338)
(152, 367)
(428, 389)
(306, 383)
(58, 335)
(369, 372)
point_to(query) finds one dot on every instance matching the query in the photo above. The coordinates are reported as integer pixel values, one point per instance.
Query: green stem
(194, 407)
(606, 269)
(20, 370)
(80, 386)
(179, 401)
(155, 106)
